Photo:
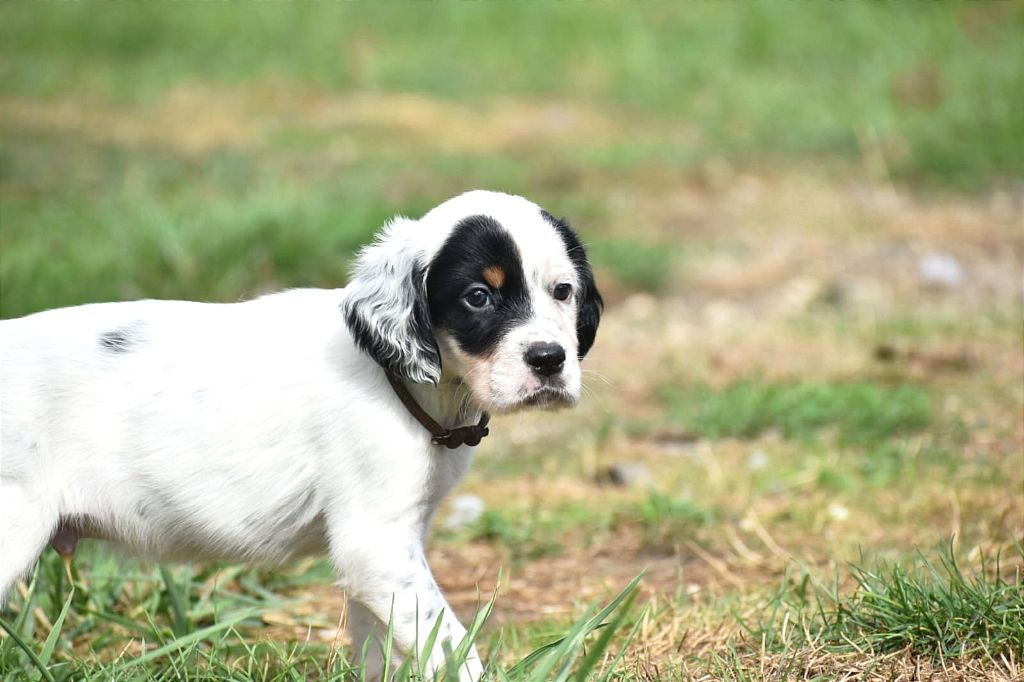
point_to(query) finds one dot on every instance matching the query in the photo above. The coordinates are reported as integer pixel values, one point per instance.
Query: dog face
(487, 290)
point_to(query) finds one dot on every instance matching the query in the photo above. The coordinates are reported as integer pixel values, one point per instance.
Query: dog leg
(397, 587)
(25, 528)
(367, 639)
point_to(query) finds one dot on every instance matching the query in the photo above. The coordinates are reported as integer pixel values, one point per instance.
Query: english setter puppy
(307, 421)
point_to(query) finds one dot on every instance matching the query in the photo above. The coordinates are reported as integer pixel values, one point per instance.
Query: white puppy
(299, 422)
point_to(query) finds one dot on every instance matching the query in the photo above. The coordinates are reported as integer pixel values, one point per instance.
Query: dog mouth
(548, 396)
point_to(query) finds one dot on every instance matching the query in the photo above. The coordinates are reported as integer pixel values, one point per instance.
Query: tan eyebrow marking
(494, 276)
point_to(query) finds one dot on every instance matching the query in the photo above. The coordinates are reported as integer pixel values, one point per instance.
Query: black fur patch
(121, 340)
(476, 244)
(421, 321)
(589, 302)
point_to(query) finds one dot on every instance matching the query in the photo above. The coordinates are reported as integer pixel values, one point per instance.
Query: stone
(629, 475)
(466, 509)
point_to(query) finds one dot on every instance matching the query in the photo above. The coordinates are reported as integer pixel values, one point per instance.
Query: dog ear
(385, 306)
(588, 312)
(589, 303)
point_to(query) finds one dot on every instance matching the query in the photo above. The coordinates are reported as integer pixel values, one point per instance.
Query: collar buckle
(451, 438)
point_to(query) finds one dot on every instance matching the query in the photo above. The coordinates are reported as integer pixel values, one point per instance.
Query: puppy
(308, 421)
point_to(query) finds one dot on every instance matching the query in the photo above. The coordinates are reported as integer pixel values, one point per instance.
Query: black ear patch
(589, 303)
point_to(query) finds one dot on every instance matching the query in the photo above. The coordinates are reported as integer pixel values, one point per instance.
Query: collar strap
(450, 438)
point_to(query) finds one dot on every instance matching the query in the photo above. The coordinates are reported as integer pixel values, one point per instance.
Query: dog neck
(443, 410)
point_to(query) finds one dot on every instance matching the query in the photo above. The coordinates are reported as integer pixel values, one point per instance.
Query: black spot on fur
(476, 244)
(121, 340)
(143, 510)
(588, 302)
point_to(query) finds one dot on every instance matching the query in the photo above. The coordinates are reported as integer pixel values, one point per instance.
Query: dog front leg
(397, 588)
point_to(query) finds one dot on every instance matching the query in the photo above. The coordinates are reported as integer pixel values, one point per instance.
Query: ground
(810, 366)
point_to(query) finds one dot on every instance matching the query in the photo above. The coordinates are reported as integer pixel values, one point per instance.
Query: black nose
(545, 358)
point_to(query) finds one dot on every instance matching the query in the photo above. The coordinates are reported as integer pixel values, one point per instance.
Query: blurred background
(806, 220)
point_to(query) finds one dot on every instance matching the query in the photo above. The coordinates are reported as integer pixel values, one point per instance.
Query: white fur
(259, 431)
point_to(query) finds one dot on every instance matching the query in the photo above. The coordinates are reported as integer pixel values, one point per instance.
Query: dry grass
(195, 119)
(804, 272)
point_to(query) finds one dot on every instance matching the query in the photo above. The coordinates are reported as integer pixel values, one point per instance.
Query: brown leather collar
(463, 435)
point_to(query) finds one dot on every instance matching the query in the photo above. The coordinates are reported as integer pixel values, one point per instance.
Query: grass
(638, 266)
(186, 643)
(218, 202)
(934, 608)
(931, 607)
(755, 188)
(937, 85)
(226, 251)
(232, 169)
(861, 412)
(528, 534)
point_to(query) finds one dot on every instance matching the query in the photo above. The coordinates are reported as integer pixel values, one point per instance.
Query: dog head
(487, 290)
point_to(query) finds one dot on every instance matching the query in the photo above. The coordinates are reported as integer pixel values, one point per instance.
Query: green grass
(140, 245)
(861, 412)
(637, 265)
(527, 534)
(665, 521)
(934, 607)
(191, 633)
(87, 218)
(695, 96)
(938, 85)
(927, 616)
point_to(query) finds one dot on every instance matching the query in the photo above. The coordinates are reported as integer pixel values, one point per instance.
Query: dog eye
(478, 298)
(562, 292)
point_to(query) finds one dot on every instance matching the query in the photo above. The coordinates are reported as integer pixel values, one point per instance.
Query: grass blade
(178, 595)
(58, 625)
(28, 602)
(565, 649)
(598, 649)
(127, 623)
(428, 646)
(189, 639)
(622, 649)
(462, 650)
(40, 666)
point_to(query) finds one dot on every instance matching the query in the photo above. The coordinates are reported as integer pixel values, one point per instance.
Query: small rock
(629, 475)
(886, 352)
(757, 460)
(466, 509)
(940, 269)
(838, 512)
